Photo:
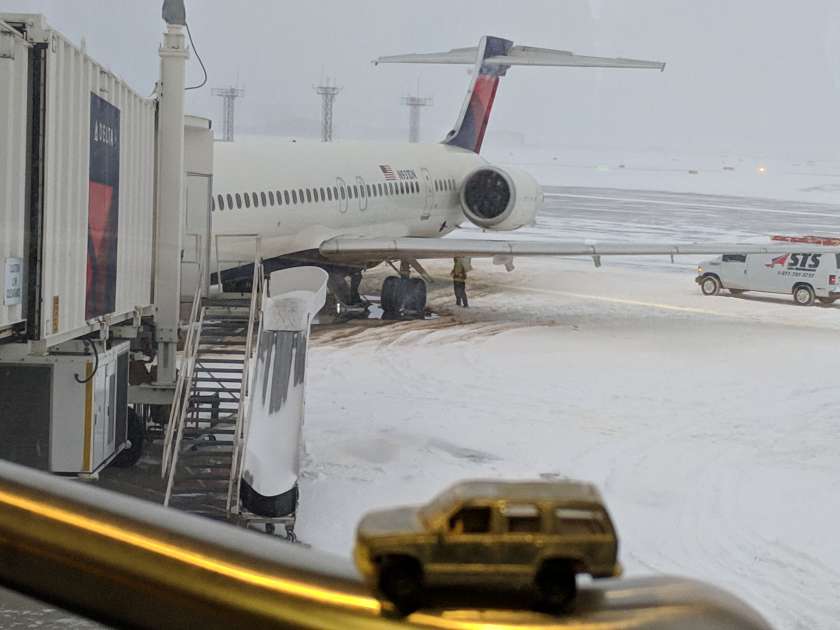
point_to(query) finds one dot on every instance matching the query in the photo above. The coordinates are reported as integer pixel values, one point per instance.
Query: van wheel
(803, 294)
(401, 581)
(710, 285)
(827, 300)
(556, 585)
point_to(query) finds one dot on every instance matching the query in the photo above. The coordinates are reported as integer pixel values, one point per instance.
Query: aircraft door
(343, 198)
(363, 200)
(429, 201)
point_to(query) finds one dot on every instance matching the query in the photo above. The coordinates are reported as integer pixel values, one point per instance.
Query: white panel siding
(13, 117)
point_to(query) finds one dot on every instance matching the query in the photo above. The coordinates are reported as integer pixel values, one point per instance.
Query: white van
(808, 277)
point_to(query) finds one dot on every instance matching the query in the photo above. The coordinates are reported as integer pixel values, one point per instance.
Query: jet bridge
(104, 224)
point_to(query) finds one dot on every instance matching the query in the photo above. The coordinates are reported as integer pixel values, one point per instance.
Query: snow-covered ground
(808, 179)
(710, 424)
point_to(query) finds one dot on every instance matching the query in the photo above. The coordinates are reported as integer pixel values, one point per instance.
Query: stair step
(210, 379)
(192, 433)
(211, 467)
(206, 394)
(226, 415)
(207, 351)
(203, 359)
(217, 478)
(207, 446)
(192, 461)
(223, 411)
(193, 497)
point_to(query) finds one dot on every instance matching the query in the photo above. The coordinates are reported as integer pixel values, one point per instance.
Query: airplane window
(262, 198)
(437, 185)
(278, 196)
(230, 201)
(221, 202)
(335, 193)
(308, 195)
(271, 197)
(355, 191)
(315, 194)
(286, 196)
(294, 196)
(323, 195)
(329, 193)
(380, 189)
(390, 188)
(212, 204)
(247, 200)
(342, 192)
(238, 201)
(300, 194)
(255, 199)
(368, 189)
(402, 188)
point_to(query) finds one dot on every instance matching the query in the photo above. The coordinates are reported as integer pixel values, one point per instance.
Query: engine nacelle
(500, 199)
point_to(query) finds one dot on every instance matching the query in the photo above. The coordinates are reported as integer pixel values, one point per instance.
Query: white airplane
(350, 206)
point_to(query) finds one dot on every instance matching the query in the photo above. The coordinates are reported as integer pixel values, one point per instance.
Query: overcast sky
(751, 77)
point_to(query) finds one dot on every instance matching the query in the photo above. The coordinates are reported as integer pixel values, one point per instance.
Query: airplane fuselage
(296, 195)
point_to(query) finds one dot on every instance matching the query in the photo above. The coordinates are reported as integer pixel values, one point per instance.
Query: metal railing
(235, 262)
(68, 543)
(180, 407)
(241, 429)
(182, 385)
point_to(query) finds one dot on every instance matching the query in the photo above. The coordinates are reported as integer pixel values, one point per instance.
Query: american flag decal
(387, 171)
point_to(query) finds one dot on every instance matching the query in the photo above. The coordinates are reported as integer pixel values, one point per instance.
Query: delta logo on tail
(777, 261)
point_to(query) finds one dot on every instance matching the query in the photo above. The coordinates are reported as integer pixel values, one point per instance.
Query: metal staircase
(205, 436)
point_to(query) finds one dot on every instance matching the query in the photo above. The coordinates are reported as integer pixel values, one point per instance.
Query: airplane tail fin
(491, 59)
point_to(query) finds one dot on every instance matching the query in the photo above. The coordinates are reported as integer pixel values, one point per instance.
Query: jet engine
(500, 199)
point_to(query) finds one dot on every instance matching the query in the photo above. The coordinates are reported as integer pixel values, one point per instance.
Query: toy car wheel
(401, 581)
(710, 285)
(556, 585)
(803, 295)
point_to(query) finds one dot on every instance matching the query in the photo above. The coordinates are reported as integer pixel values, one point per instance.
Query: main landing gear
(403, 297)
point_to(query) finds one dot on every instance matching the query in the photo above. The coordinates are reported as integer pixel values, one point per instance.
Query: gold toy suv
(512, 534)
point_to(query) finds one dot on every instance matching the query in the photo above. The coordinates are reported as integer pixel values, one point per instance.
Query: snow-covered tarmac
(710, 424)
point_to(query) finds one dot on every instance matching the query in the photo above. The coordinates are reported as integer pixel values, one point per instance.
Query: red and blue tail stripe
(469, 132)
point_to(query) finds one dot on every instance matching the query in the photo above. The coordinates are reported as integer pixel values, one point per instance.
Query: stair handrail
(188, 367)
(240, 429)
(181, 388)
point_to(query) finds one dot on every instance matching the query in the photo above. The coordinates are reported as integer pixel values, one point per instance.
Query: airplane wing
(523, 56)
(451, 247)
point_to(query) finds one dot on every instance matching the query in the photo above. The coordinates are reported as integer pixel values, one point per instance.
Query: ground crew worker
(459, 282)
